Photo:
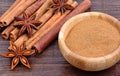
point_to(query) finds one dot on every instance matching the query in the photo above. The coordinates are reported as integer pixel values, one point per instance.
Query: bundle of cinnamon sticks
(51, 13)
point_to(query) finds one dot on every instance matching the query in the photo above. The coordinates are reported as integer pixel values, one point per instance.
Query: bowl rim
(62, 41)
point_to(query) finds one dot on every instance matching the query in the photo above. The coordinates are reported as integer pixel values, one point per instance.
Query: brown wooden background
(51, 62)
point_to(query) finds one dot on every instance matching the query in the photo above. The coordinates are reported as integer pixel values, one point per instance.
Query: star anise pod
(26, 24)
(18, 54)
(61, 5)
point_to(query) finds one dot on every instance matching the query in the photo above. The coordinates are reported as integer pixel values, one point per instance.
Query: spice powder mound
(93, 38)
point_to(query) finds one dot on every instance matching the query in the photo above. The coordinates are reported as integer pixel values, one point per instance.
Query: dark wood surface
(51, 62)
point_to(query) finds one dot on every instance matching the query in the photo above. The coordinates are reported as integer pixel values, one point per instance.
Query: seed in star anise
(26, 24)
(61, 5)
(18, 54)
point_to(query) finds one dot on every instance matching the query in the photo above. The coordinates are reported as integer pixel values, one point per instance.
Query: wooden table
(51, 62)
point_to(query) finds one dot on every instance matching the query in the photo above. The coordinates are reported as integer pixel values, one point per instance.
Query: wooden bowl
(89, 63)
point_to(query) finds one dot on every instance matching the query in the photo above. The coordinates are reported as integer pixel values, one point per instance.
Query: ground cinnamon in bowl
(91, 41)
(93, 37)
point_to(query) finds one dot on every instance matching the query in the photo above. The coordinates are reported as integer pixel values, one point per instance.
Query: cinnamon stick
(31, 41)
(52, 34)
(42, 19)
(2, 23)
(34, 7)
(43, 9)
(44, 29)
(39, 12)
(5, 34)
(13, 34)
(15, 12)
(16, 2)
(29, 11)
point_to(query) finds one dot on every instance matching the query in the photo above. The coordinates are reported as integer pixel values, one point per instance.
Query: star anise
(26, 24)
(61, 5)
(18, 54)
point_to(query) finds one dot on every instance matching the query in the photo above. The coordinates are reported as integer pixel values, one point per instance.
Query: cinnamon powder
(93, 38)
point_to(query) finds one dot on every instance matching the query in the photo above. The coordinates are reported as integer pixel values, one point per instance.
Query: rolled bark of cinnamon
(34, 7)
(2, 23)
(39, 13)
(52, 34)
(44, 18)
(29, 11)
(43, 9)
(15, 12)
(31, 41)
(45, 29)
(10, 8)
(5, 34)
(13, 34)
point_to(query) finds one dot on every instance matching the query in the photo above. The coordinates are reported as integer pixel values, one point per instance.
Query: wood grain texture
(51, 62)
